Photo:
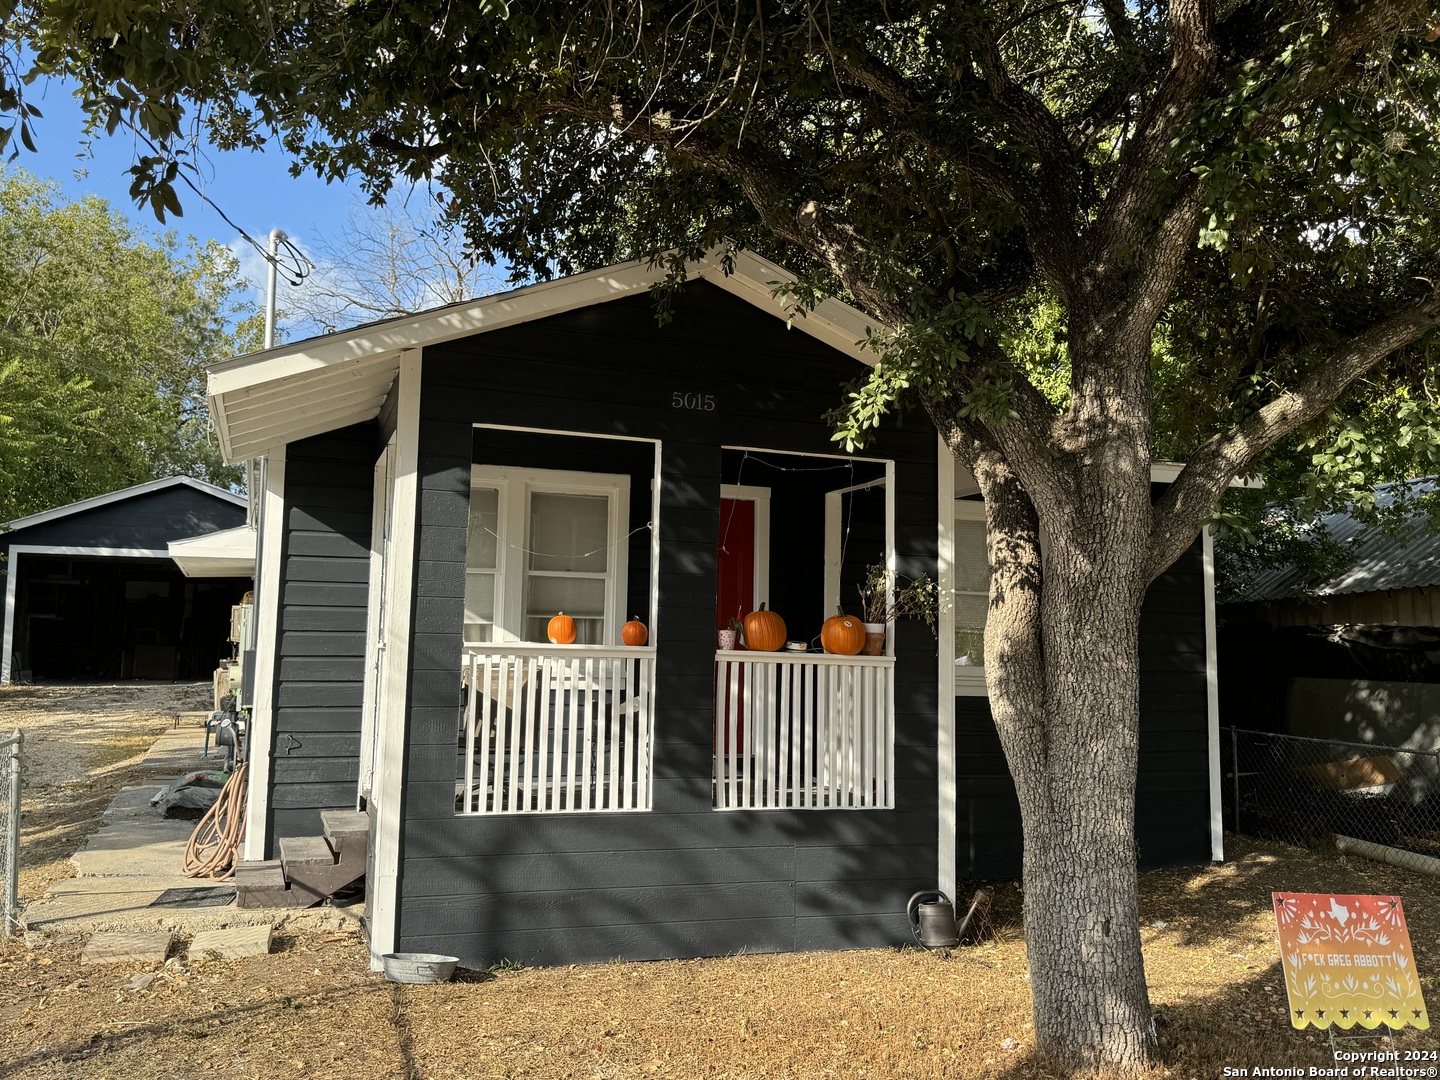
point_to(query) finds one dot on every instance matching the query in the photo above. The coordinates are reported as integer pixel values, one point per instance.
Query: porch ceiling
(264, 400)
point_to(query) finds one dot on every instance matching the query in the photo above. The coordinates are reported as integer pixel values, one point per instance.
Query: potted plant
(886, 596)
(729, 635)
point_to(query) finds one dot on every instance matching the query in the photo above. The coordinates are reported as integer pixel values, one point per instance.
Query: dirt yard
(313, 1009)
(82, 744)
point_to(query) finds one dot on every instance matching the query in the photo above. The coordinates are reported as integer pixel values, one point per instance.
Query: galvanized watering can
(932, 919)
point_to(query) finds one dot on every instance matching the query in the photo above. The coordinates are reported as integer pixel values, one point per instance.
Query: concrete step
(306, 851)
(348, 832)
(310, 864)
(262, 885)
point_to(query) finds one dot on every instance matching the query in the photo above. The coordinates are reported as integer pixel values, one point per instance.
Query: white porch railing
(555, 728)
(804, 731)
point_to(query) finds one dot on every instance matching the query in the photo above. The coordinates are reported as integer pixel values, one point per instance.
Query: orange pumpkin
(634, 632)
(561, 629)
(764, 631)
(843, 635)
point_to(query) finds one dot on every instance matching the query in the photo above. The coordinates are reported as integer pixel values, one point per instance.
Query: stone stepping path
(126, 947)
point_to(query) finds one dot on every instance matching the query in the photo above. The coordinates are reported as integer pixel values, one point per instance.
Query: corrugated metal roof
(1405, 557)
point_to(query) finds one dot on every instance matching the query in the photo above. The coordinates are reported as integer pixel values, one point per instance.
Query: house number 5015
(694, 402)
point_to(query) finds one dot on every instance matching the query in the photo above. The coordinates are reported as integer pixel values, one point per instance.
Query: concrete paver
(231, 943)
(136, 856)
(122, 947)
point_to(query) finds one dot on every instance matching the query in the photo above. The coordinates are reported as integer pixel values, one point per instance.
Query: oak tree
(1245, 185)
(104, 339)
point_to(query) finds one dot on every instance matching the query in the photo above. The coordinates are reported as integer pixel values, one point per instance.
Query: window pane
(577, 597)
(479, 606)
(972, 593)
(970, 610)
(972, 570)
(481, 544)
(569, 532)
(587, 631)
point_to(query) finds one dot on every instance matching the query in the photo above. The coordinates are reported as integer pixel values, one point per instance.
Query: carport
(91, 591)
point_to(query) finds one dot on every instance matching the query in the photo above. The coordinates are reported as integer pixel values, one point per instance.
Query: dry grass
(313, 1009)
(82, 745)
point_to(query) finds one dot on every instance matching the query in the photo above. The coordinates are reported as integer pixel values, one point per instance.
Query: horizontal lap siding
(681, 880)
(320, 657)
(1172, 799)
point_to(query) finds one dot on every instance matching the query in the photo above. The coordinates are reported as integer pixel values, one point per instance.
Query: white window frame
(835, 541)
(515, 486)
(969, 679)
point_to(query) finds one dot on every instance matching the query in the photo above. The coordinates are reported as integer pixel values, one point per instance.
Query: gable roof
(119, 496)
(266, 399)
(1406, 557)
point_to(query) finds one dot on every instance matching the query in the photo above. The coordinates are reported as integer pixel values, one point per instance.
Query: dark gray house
(438, 487)
(92, 592)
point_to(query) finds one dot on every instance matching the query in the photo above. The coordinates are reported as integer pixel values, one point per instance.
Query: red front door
(734, 595)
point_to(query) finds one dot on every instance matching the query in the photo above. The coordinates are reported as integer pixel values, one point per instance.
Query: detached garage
(91, 590)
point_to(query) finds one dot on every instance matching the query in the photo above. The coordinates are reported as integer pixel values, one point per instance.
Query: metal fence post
(12, 837)
(1235, 774)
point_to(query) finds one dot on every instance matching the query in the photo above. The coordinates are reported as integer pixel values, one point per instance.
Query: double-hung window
(972, 593)
(540, 542)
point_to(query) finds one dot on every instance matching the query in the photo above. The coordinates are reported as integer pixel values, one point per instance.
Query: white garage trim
(12, 577)
(119, 496)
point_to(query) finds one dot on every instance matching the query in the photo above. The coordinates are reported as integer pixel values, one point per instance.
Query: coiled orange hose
(213, 846)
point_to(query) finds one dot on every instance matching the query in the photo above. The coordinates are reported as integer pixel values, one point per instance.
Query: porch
(550, 728)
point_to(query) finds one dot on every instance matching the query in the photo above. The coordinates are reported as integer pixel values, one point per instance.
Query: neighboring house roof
(118, 496)
(266, 399)
(1407, 557)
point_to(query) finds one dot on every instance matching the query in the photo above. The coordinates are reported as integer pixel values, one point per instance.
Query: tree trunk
(1063, 651)
(1074, 772)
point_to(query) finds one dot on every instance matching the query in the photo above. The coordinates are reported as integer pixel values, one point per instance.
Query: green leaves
(103, 340)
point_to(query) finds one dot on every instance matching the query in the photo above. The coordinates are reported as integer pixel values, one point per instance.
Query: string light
(568, 555)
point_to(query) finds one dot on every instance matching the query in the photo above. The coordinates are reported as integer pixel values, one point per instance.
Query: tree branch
(1189, 501)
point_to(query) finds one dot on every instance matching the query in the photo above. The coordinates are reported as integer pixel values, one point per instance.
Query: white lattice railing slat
(803, 731)
(554, 729)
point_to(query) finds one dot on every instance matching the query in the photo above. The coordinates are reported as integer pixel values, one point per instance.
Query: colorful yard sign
(1348, 961)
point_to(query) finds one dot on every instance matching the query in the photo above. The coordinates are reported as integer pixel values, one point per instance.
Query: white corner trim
(948, 837)
(388, 786)
(1212, 699)
(270, 558)
(98, 501)
(12, 578)
(6, 646)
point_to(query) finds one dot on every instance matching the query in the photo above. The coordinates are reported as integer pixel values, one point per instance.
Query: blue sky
(256, 191)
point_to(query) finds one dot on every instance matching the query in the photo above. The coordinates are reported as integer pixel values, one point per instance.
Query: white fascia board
(97, 501)
(226, 553)
(1166, 472)
(309, 365)
(432, 327)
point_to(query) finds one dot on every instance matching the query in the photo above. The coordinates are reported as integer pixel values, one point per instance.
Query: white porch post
(945, 712)
(1212, 699)
(270, 557)
(387, 789)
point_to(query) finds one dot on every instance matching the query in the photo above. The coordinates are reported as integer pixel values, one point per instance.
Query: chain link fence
(12, 748)
(1304, 790)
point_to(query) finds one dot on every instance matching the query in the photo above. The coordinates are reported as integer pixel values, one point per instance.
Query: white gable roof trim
(119, 496)
(266, 399)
